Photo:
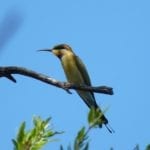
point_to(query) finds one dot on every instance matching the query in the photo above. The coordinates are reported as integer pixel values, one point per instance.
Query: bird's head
(60, 50)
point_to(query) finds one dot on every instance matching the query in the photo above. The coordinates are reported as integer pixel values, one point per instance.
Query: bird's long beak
(47, 50)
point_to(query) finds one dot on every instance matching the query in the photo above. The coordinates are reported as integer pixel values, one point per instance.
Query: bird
(76, 73)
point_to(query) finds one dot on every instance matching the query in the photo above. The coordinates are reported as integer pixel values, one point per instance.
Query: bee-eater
(76, 73)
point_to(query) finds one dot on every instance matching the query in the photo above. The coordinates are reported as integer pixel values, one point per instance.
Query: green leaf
(81, 134)
(81, 140)
(35, 138)
(48, 120)
(15, 144)
(91, 115)
(148, 147)
(94, 117)
(21, 132)
(30, 134)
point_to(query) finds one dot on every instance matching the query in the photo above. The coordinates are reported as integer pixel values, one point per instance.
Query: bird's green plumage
(77, 73)
(83, 71)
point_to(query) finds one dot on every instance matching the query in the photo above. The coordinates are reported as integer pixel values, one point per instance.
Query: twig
(9, 70)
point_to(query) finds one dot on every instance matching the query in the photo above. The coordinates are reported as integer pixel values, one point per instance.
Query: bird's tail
(109, 128)
(104, 120)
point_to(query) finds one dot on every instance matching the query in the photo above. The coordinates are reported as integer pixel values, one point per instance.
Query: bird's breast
(71, 70)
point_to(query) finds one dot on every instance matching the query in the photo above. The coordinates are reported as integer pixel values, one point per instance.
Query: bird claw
(66, 87)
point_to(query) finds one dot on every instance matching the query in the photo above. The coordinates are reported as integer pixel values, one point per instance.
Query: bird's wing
(83, 72)
(88, 97)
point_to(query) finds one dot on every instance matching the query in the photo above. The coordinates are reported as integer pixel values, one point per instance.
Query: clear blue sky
(112, 37)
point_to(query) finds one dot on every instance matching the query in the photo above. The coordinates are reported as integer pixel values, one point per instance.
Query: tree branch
(9, 70)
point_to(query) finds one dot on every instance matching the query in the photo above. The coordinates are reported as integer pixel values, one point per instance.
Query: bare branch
(9, 70)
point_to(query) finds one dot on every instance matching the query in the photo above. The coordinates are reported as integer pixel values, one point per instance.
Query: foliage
(41, 134)
(148, 147)
(81, 141)
(35, 138)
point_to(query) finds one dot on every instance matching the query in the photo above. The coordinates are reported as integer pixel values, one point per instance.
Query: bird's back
(77, 73)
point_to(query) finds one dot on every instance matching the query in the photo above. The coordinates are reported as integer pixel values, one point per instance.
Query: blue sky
(112, 37)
